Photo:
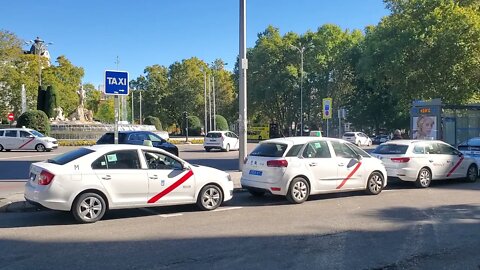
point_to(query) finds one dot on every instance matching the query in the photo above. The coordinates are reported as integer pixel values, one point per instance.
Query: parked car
(297, 167)
(380, 139)
(223, 140)
(471, 148)
(89, 181)
(138, 138)
(358, 138)
(25, 139)
(421, 161)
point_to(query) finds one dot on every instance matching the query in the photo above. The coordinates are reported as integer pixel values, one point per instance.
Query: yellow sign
(327, 108)
(258, 133)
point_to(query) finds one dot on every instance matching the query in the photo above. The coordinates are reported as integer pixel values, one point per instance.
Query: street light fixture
(301, 50)
(40, 48)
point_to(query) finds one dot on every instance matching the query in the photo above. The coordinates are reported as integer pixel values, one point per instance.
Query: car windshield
(470, 142)
(269, 150)
(70, 156)
(349, 134)
(391, 149)
(214, 135)
(36, 133)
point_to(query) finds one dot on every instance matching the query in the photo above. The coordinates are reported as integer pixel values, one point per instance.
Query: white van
(25, 139)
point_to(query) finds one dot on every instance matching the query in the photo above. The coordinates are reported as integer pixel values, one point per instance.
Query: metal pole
(301, 90)
(210, 102)
(214, 109)
(141, 120)
(205, 103)
(242, 153)
(133, 115)
(115, 136)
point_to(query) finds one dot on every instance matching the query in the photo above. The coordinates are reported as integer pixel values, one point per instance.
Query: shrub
(50, 101)
(152, 120)
(222, 123)
(194, 126)
(35, 119)
(41, 93)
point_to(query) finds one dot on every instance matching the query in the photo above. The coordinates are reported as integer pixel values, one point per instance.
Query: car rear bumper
(404, 174)
(273, 188)
(45, 196)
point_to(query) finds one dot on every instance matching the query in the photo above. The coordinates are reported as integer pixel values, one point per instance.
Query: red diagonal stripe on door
(349, 175)
(26, 143)
(455, 167)
(171, 187)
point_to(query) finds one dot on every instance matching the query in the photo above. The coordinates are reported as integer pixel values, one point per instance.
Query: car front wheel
(210, 197)
(89, 208)
(374, 183)
(472, 173)
(424, 178)
(298, 191)
(40, 147)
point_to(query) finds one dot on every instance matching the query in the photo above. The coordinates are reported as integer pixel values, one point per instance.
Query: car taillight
(277, 163)
(45, 178)
(400, 159)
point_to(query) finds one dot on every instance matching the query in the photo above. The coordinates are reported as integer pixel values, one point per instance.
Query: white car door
(349, 169)
(455, 168)
(26, 140)
(11, 139)
(121, 174)
(323, 167)
(168, 182)
(235, 142)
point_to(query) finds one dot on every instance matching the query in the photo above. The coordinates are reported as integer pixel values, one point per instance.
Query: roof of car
(23, 128)
(300, 140)
(408, 142)
(101, 147)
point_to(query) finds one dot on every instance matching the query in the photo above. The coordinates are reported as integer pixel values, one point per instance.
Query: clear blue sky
(91, 34)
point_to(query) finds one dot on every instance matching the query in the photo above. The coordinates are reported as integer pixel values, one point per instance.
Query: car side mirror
(359, 157)
(186, 166)
(460, 154)
(30, 136)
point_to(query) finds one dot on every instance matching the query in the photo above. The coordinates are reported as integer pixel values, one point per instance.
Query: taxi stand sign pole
(327, 110)
(116, 84)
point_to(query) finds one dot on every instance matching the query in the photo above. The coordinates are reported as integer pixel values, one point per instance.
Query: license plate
(255, 172)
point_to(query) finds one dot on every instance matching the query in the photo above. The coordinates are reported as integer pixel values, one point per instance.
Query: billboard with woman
(425, 127)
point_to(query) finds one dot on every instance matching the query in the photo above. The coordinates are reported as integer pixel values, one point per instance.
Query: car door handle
(107, 177)
(448, 161)
(430, 160)
(312, 164)
(340, 164)
(155, 177)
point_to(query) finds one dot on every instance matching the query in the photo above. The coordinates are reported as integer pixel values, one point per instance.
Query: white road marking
(29, 156)
(227, 208)
(171, 215)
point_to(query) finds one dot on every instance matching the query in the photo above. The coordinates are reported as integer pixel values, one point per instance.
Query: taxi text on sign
(116, 82)
(327, 108)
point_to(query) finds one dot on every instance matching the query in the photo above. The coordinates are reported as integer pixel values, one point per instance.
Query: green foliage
(106, 111)
(222, 123)
(50, 101)
(92, 97)
(152, 120)
(194, 125)
(41, 96)
(35, 119)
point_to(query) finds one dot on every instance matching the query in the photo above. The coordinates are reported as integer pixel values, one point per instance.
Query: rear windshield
(214, 135)
(349, 134)
(391, 149)
(70, 156)
(107, 138)
(269, 150)
(471, 144)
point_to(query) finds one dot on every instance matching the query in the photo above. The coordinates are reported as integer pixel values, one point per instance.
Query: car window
(36, 133)
(358, 150)
(159, 161)
(11, 133)
(391, 149)
(419, 149)
(107, 138)
(214, 135)
(293, 152)
(154, 138)
(342, 150)
(432, 148)
(123, 159)
(269, 150)
(24, 134)
(317, 150)
(2, 132)
(348, 134)
(70, 156)
(447, 149)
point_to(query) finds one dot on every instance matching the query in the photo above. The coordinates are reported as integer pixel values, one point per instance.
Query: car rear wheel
(424, 178)
(207, 149)
(374, 183)
(1, 147)
(88, 208)
(472, 173)
(256, 193)
(298, 191)
(40, 147)
(210, 197)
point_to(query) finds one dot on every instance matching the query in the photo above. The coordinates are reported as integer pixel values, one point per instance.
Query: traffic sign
(116, 82)
(327, 108)
(10, 117)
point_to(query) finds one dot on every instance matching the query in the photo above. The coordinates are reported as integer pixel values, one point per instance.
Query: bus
(258, 133)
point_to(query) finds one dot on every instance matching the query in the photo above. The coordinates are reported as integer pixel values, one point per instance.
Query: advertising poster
(424, 127)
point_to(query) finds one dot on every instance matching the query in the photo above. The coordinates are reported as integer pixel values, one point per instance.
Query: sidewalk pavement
(12, 200)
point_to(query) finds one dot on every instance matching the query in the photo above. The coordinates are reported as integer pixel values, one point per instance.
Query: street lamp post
(301, 50)
(140, 111)
(39, 46)
(205, 101)
(133, 114)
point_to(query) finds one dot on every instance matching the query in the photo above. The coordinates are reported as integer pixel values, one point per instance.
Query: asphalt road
(402, 228)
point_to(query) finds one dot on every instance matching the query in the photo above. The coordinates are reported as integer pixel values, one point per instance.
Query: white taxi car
(423, 161)
(90, 180)
(358, 138)
(25, 139)
(296, 167)
(223, 140)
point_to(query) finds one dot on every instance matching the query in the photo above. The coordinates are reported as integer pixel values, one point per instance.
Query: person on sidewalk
(397, 135)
